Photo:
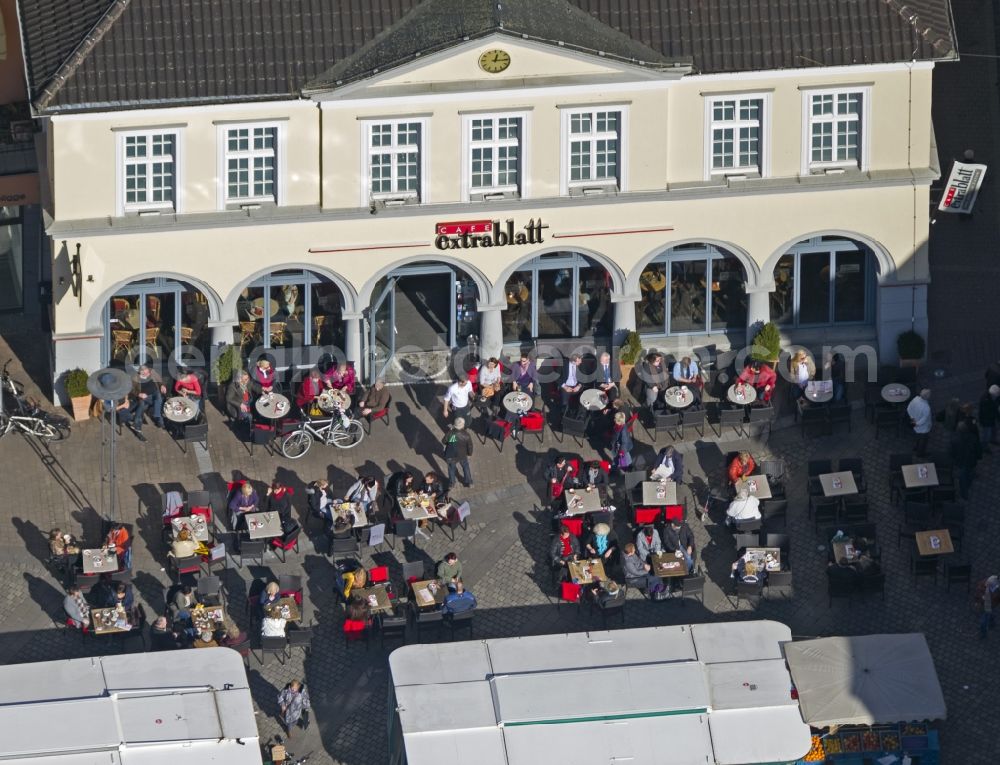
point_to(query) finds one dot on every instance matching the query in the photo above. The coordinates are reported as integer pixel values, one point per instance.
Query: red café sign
(469, 234)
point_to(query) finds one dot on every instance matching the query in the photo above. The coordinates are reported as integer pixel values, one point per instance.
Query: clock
(494, 61)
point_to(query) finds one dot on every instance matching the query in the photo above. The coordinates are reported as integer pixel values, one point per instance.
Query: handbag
(624, 460)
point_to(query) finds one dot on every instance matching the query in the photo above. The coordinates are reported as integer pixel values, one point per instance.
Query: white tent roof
(865, 680)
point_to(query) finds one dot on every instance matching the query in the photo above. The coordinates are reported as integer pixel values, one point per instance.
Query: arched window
(290, 308)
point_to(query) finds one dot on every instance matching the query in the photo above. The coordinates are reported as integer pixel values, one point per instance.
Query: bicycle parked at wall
(18, 412)
(338, 430)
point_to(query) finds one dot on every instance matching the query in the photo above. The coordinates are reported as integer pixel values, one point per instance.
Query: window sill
(593, 189)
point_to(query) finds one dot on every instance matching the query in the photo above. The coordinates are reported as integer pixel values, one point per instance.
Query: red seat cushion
(378, 574)
(379, 414)
(205, 512)
(575, 525)
(555, 490)
(355, 626)
(532, 421)
(674, 512)
(647, 515)
(569, 591)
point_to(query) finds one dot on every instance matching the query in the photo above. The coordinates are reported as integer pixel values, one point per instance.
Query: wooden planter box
(81, 408)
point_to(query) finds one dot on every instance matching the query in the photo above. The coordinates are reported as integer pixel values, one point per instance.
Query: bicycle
(339, 430)
(29, 417)
(12, 389)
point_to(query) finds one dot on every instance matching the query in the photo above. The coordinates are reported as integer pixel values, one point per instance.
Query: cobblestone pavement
(503, 552)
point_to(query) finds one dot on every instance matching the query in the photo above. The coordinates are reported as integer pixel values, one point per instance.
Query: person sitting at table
(270, 595)
(490, 382)
(341, 377)
(376, 399)
(364, 491)
(802, 369)
(593, 476)
(243, 501)
(121, 596)
(188, 385)
(400, 484)
(184, 601)
(355, 580)
(604, 592)
(358, 609)
(205, 640)
(741, 467)
(571, 384)
(262, 377)
(607, 376)
(761, 377)
(449, 570)
(560, 475)
(677, 535)
(458, 600)
(163, 637)
(62, 544)
(184, 545)
(647, 542)
(602, 542)
(654, 378)
(433, 487)
(835, 369)
(458, 397)
(309, 391)
(686, 372)
(669, 466)
(273, 624)
(279, 500)
(318, 498)
(76, 607)
(232, 635)
(524, 377)
(118, 540)
(565, 547)
(744, 507)
(745, 570)
(238, 398)
(638, 571)
(148, 393)
(843, 573)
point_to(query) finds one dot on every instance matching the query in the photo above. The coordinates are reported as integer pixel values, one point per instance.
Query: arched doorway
(824, 280)
(153, 319)
(691, 289)
(558, 295)
(290, 308)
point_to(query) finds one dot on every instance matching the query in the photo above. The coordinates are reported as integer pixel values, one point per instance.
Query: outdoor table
(333, 400)
(895, 393)
(207, 619)
(759, 556)
(378, 599)
(844, 551)
(923, 475)
(194, 523)
(273, 406)
(413, 509)
(110, 621)
(258, 307)
(284, 608)
(263, 525)
(819, 391)
(99, 561)
(428, 593)
(936, 542)
(587, 571)
(838, 484)
(517, 402)
(342, 509)
(757, 485)
(748, 391)
(593, 400)
(678, 397)
(650, 490)
(180, 410)
(581, 501)
(667, 564)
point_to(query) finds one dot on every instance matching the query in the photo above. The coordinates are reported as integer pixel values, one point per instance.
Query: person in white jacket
(745, 507)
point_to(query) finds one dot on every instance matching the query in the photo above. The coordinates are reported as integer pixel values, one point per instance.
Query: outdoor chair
(355, 631)
(457, 622)
(956, 573)
(273, 645)
(774, 510)
(732, 418)
(762, 417)
(666, 423)
(923, 567)
(391, 626)
(428, 622)
(252, 548)
(693, 587)
(779, 580)
(695, 419)
(300, 637)
(573, 426)
(872, 583)
(751, 592)
(838, 589)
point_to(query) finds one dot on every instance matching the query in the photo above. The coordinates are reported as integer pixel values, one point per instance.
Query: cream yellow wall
(226, 258)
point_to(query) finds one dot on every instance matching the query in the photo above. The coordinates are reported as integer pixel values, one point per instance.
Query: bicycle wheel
(296, 444)
(349, 436)
(59, 425)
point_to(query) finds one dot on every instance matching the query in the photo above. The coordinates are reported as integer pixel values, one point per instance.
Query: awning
(865, 680)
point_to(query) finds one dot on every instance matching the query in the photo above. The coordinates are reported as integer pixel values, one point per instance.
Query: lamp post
(110, 386)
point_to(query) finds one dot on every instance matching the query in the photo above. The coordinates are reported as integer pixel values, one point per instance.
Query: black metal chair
(428, 621)
(210, 588)
(414, 568)
(404, 530)
(752, 592)
(746, 540)
(732, 418)
(826, 512)
(779, 580)
(956, 573)
(923, 567)
(889, 420)
(669, 423)
(345, 547)
(273, 645)
(839, 413)
(252, 548)
(611, 609)
(300, 637)
(816, 468)
(815, 421)
(694, 418)
(693, 587)
(774, 510)
(872, 583)
(835, 588)
(458, 622)
(391, 626)
(573, 426)
(762, 417)
(855, 511)
(195, 434)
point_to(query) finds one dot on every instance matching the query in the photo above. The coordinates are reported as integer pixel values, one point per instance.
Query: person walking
(965, 453)
(988, 416)
(294, 703)
(457, 450)
(919, 412)
(621, 444)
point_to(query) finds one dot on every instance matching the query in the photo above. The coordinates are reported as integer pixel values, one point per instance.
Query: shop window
(153, 320)
(651, 309)
(728, 296)
(555, 303)
(687, 296)
(814, 288)
(823, 281)
(289, 309)
(517, 314)
(11, 259)
(594, 302)
(327, 315)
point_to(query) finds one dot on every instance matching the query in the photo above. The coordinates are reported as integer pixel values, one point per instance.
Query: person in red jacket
(761, 377)
(188, 384)
(310, 389)
(741, 467)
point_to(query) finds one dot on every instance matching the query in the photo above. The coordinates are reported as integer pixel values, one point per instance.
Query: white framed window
(149, 170)
(251, 156)
(594, 148)
(737, 142)
(395, 159)
(836, 129)
(494, 154)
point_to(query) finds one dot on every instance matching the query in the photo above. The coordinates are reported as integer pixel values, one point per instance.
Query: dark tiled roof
(121, 53)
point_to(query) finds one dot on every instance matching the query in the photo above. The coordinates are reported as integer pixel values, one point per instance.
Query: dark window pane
(729, 299)
(814, 292)
(326, 323)
(782, 299)
(555, 303)
(649, 311)
(849, 289)
(517, 314)
(687, 296)
(595, 301)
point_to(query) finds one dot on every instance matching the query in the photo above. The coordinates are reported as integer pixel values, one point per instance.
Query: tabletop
(934, 542)
(273, 406)
(109, 621)
(587, 571)
(194, 523)
(895, 393)
(263, 525)
(819, 391)
(651, 493)
(99, 561)
(581, 501)
(667, 564)
(258, 307)
(745, 396)
(917, 476)
(757, 485)
(179, 409)
(838, 484)
(345, 509)
(208, 618)
(417, 508)
(593, 400)
(378, 599)
(333, 400)
(844, 551)
(428, 593)
(517, 402)
(760, 557)
(678, 397)
(287, 608)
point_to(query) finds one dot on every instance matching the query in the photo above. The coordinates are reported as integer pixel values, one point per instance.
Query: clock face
(494, 61)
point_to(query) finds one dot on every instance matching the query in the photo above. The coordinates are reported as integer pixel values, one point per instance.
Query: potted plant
(226, 362)
(911, 347)
(766, 345)
(628, 355)
(79, 395)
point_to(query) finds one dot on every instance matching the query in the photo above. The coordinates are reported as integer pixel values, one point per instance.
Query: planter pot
(627, 375)
(81, 408)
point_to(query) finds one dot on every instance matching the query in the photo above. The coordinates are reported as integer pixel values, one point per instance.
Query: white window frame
(566, 114)
(133, 208)
(520, 190)
(763, 166)
(421, 194)
(820, 246)
(225, 202)
(809, 167)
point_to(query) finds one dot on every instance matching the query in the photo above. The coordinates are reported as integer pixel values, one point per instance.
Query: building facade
(518, 173)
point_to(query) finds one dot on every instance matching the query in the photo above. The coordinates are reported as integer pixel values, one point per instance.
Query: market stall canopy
(865, 680)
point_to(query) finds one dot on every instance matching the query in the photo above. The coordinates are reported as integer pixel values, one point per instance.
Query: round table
(273, 406)
(332, 400)
(818, 396)
(258, 307)
(749, 394)
(896, 393)
(517, 402)
(180, 410)
(593, 400)
(678, 397)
